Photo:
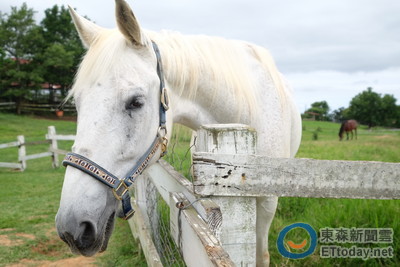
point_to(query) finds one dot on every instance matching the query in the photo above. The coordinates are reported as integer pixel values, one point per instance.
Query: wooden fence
(51, 138)
(228, 176)
(211, 219)
(35, 108)
(7, 105)
(227, 169)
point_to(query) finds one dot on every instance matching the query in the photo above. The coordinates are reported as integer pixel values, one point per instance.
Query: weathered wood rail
(248, 174)
(254, 175)
(8, 145)
(227, 170)
(26, 107)
(218, 227)
(193, 228)
(51, 138)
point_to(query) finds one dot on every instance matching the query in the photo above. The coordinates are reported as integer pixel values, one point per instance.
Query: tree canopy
(19, 38)
(319, 110)
(63, 49)
(32, 54)
(368, 107)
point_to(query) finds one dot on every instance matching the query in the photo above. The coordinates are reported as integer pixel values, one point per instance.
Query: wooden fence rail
(193, 222)
(32, 107)
(7, 105)
(8, 145)
(51, 137)
(227, 169)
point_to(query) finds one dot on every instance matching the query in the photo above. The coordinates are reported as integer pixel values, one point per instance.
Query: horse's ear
(87, 30)
(127, 22)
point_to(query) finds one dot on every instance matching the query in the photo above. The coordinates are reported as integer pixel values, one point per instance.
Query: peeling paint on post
(238, 231)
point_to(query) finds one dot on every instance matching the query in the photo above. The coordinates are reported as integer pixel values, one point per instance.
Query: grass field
(29, 200)
(371, 145)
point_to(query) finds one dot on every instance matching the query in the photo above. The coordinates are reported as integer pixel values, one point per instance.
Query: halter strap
(121, 187)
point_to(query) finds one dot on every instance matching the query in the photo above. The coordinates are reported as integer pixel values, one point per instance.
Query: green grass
(371, 145)
(29, 200)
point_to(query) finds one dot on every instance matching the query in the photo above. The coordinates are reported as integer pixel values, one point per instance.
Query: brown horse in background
(348, 126)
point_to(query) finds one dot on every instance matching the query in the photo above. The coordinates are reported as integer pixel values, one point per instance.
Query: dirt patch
(53, 246)
(26, 262)
(15, 240)
(71, 262)
(51, 232)
(5, 241)
(27, 236)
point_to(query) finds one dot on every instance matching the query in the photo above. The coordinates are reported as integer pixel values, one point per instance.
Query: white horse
(117, 96)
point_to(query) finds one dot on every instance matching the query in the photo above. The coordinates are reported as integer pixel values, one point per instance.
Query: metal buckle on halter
(164, 98)
(162, 133)
(164, 144)
(124, 188)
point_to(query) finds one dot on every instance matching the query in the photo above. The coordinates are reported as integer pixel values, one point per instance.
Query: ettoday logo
(332, 240)
(282, 244)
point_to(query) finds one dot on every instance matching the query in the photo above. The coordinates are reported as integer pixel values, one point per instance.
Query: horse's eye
(135, 103)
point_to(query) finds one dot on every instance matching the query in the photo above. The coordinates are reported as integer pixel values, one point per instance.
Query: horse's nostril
(88, 234)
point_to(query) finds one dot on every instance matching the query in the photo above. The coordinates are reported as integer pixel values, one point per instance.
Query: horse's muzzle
(86, 239)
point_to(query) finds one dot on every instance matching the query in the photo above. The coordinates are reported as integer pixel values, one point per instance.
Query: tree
(20, 39)
(57, 65)
(389, 111)
(321, 108)
(370, 108)
(63, 50)
(339, 115)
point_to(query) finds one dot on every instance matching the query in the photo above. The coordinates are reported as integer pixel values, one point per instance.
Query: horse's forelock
(102, 58)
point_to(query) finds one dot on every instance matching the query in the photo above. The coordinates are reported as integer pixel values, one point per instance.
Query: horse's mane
(186, 59)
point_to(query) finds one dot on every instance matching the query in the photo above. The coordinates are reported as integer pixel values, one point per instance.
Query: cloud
(338, 88)
(329, 50)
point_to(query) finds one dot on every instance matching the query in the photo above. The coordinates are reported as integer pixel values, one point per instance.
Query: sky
(328, 50)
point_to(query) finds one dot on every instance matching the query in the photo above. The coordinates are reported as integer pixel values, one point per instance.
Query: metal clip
(164, 144)
(162, 134)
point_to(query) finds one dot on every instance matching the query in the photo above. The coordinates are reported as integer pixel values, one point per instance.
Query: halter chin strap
(121, 187)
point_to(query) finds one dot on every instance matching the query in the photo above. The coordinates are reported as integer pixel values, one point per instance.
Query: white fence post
(53, 145)
(21, 151)
(238, 231)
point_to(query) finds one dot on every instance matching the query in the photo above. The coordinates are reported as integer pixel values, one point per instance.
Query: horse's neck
(234, 85)
(209, 106)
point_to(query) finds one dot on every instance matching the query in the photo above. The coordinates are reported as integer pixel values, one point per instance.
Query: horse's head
(117, 96)
(341, 131)
(340, 136)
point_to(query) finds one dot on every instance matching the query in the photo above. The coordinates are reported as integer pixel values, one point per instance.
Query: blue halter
(121, 187)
